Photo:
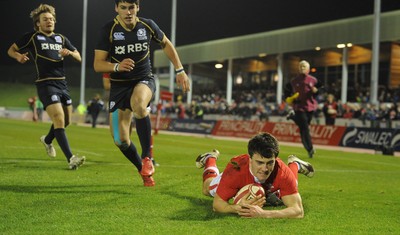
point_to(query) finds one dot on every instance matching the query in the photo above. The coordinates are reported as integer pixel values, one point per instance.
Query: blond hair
(43, 8)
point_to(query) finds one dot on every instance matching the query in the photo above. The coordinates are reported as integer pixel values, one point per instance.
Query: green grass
(350, 193)
(15, 95)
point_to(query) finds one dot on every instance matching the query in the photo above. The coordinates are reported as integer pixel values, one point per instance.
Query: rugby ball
(254, 189)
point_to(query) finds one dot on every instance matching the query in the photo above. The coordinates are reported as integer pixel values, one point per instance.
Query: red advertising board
(243, 129)
(166, 95)
(320, 134)
(285, 132)
(163, 125)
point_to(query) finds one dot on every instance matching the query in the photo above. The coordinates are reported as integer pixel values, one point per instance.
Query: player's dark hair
(128, 1)
(264, 144)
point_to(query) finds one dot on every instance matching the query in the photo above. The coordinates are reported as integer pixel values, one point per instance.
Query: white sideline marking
(77, 150)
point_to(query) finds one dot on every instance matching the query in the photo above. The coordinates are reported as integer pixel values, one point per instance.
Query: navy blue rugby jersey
(45, 52)
(121, 43)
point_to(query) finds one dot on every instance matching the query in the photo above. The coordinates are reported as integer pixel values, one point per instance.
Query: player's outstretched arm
(221, 206)
(294, 209)
(181, 77)
(101, 63)
(13, 52)
(74, 54)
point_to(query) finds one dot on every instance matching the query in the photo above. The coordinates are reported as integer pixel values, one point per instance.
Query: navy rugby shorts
(52, 92)
(121, 92)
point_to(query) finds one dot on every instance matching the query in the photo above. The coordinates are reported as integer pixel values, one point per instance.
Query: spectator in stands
(32, 107)
(180, 110)
(39, 109)
(197, 111)
(340, 109)
(94, 107)
(348, 111)
(330, 110)
(389, 114)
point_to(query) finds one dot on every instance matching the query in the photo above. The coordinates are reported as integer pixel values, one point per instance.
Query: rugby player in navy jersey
(123, 49)
(48, 50)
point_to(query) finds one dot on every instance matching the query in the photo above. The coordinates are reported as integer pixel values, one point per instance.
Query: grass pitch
(351, 193)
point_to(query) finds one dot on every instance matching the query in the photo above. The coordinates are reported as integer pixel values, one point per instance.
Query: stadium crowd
(247, 104)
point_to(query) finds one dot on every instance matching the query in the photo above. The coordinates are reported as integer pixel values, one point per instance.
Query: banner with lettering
(371, 138)
(320, 134)
(191, 126)
(284, 132)
(242, 129)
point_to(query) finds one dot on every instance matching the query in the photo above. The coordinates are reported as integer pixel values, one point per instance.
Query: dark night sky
(197, 21)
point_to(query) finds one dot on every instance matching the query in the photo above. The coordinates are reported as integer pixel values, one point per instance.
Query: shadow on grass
(67, 189)
(201, 209)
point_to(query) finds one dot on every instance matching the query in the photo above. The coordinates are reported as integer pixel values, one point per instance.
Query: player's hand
(64, 52)
(250, 211)
(22, 58)
(314, 89)
(183, 81)
(126, 65)
(259, 200)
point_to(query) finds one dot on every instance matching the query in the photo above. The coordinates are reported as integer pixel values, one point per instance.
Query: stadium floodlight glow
(341, 45)
(317, 48)
(218, 66)
(276, 77)
(239, 79)
(262, 55)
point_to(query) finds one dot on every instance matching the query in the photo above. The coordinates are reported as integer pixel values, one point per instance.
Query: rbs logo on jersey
(130, 48)
(50, 46)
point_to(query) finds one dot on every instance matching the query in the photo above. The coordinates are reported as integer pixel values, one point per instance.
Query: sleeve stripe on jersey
(112, 30)
(33, 35)
(63, 39)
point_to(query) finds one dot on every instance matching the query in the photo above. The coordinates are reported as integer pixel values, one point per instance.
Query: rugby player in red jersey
(263, 166)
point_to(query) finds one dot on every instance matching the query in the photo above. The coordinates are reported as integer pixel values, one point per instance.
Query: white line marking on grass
(21, 147)
(29, 161)
(78, 150)
(89, 152)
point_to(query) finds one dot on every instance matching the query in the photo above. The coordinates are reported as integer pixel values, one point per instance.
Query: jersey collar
(121, 22)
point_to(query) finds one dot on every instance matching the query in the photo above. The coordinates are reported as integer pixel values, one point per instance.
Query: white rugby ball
(254, 189)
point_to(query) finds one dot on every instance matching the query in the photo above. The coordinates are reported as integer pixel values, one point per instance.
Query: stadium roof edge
(357, 30)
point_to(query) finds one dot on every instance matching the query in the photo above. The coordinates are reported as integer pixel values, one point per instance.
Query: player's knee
(58, 121)
(206, 187)
(141, 112)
